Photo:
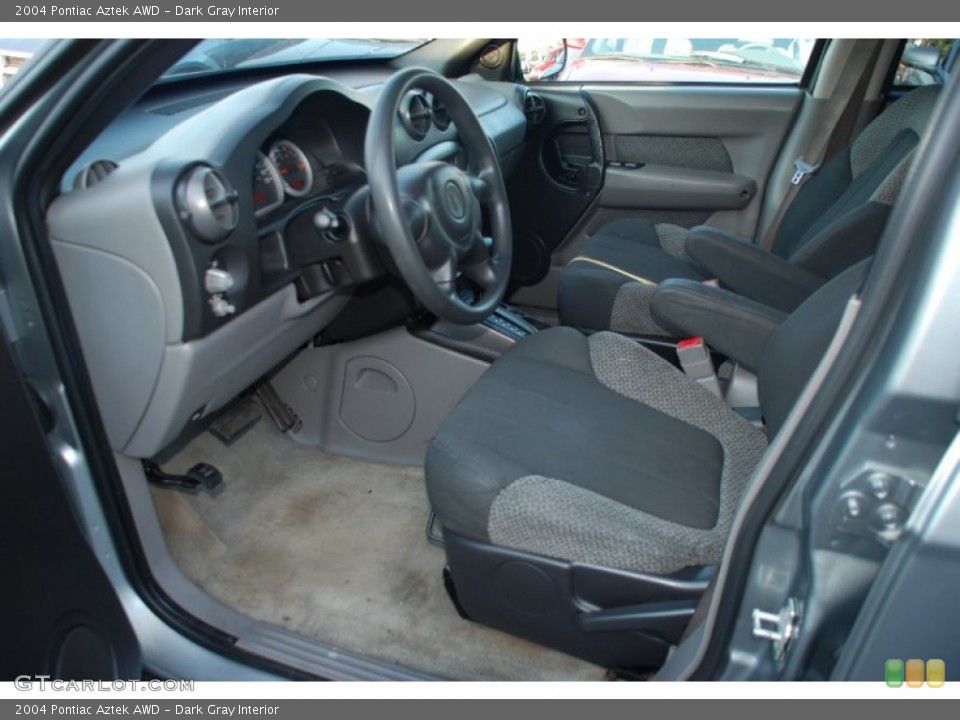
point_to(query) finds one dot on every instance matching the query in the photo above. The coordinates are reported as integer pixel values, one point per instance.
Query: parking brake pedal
(202, 475)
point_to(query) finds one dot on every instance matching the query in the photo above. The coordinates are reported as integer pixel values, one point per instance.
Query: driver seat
(586, 486)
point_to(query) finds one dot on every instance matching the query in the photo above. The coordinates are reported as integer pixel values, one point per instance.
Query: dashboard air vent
(93, 173)
(415, 115)
(208, 204)
(492, 57)
(534, 108)
(441, 116)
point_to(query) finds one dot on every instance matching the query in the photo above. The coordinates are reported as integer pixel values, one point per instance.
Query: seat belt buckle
(696, 363)
(801, 170)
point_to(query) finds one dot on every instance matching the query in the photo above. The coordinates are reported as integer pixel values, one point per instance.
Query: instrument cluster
(284, 170)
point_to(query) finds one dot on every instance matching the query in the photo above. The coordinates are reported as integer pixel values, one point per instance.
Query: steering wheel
(429, 214)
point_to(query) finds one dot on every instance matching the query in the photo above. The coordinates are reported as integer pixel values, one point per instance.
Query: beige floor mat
(333, 548)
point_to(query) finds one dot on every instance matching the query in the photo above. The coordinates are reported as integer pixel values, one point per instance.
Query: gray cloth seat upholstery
(834, 221)
(595, 450)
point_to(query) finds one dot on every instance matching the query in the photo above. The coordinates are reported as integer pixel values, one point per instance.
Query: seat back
(838, 215)
(797, 346)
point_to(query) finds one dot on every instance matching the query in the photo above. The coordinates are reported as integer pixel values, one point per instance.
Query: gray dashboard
(185, 284)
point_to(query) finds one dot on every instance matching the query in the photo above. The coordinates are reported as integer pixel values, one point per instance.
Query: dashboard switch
(220, 306)
(217, 280)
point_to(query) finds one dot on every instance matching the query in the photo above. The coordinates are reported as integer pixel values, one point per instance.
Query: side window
(666, 60)
(14, 54)
(924, 62)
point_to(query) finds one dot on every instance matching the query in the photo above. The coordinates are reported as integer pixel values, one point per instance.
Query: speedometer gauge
(293, 166)
(267, 186)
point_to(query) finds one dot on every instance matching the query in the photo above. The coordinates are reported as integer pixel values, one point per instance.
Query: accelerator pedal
(283, 417)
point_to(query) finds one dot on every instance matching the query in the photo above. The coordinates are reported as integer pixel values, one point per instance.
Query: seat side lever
(666, 619)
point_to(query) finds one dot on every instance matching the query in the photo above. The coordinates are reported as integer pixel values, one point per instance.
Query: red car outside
(554, 56)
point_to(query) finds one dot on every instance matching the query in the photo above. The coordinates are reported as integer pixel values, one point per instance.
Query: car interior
(428, 369)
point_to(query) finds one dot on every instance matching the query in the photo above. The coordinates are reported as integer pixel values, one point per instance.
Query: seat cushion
(608, 286)
(592, 450)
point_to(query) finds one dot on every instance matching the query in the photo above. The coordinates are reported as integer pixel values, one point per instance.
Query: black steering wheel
(430, 213)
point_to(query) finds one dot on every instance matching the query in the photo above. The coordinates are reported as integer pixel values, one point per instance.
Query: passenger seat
(835, 220)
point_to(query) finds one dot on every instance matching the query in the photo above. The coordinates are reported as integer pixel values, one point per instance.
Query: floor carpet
(333, 548)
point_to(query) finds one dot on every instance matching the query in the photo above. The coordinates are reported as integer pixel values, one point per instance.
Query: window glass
(667, 60)
(14, 54)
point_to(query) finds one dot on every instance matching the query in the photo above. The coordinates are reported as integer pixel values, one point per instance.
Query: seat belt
(697, 364)
(835, 128)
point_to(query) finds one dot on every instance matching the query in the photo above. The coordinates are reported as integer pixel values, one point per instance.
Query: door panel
(732, 130)
(679, 154)
(61, 615)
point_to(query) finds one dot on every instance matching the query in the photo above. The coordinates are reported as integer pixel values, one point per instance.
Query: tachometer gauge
(267, 186)
(293, 166)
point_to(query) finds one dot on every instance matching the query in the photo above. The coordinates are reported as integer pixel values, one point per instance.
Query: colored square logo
(893, 671)
(914, 673)
(936, 673)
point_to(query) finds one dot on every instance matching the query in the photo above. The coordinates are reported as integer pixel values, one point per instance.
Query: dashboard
(205, 236)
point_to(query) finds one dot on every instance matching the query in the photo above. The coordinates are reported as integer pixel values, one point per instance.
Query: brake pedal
(202, 475)
(234, 422)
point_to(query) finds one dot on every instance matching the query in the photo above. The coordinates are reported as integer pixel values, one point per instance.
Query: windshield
(218, 55)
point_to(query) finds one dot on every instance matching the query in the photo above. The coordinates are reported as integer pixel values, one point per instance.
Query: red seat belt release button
(697, 365)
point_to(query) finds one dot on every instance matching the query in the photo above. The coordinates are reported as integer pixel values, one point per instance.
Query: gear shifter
(508, 322)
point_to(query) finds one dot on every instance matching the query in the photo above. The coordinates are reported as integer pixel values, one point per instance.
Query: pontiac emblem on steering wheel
(456, 203)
